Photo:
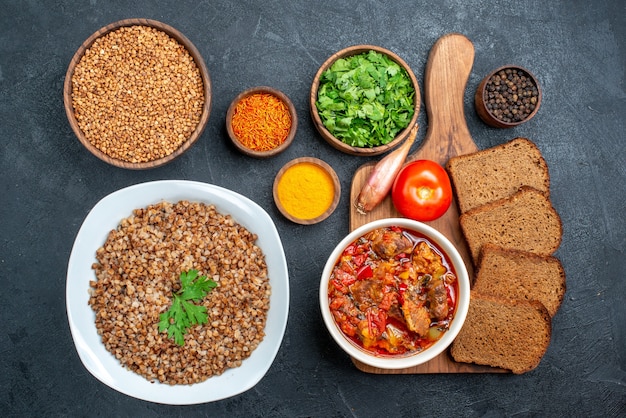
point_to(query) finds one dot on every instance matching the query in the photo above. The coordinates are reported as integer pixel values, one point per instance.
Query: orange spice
(306, 190)
(261, 121)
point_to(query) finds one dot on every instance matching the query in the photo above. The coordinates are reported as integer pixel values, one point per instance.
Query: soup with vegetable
(393, 292)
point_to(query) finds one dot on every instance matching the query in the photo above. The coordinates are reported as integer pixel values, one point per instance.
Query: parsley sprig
(183, 314)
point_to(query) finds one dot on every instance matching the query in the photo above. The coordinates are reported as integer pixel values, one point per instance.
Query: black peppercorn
(510, 95)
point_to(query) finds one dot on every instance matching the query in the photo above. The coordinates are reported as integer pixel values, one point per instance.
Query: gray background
(49, 182)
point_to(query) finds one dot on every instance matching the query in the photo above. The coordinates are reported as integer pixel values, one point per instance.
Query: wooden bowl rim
(180, 38)
(325, 133)
(486, 115)
(290, 136)
(336, 197)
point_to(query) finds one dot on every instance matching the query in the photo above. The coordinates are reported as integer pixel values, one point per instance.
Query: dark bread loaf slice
(497, 172)
(520, 275)
(506, 333)
(526, 221)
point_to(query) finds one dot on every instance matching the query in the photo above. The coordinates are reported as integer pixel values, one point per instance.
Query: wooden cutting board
(447, 71)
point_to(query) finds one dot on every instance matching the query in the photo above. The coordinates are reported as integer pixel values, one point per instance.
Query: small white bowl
(410, 360)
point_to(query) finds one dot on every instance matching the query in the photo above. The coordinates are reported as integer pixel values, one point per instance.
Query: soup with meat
(393, 292)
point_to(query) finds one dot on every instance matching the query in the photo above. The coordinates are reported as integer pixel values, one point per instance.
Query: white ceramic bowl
(399, 362)
(104, 217)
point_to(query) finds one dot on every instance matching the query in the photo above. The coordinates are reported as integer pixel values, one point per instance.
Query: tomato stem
(424, 192)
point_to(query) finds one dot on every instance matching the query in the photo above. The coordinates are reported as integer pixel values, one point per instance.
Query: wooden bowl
(262, 153)
(301, 193)
(197, 58)
(330, 138)
(483, 99)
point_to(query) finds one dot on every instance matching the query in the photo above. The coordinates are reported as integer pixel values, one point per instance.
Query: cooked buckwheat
(137, 269)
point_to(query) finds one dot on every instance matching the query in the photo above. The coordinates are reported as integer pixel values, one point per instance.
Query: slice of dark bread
(506, 333)
(525, 221)
(497, 172)
(520, 275)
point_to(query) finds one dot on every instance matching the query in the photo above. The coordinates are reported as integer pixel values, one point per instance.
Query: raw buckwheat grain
(137, 94)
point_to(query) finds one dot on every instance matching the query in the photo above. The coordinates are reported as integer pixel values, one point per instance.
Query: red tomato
(422, 191)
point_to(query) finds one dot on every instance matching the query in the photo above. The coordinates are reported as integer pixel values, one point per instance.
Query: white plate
(104, 217)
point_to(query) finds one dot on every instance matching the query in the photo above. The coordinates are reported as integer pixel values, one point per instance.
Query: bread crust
(506, 333)
(497, 172)
(525, 221)
(520, 275)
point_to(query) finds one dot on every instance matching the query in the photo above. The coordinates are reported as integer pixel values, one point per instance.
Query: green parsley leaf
(183, 314)
(365, 100)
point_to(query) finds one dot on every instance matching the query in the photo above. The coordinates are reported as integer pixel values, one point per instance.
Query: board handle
(447, 70)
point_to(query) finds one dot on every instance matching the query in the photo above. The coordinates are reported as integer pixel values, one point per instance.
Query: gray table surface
(49, 182)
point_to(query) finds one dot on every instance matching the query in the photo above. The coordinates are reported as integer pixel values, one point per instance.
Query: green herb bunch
(365, 100)
(183, 313)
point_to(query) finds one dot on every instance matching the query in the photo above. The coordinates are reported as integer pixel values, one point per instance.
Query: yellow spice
(306, 190)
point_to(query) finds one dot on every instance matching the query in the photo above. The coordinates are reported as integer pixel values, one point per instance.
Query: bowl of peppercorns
(137, 94)
(508, 96)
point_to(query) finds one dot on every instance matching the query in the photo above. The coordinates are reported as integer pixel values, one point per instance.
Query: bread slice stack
(512, 231)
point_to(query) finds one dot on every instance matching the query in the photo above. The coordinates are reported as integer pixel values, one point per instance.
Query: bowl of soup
(394, 293)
